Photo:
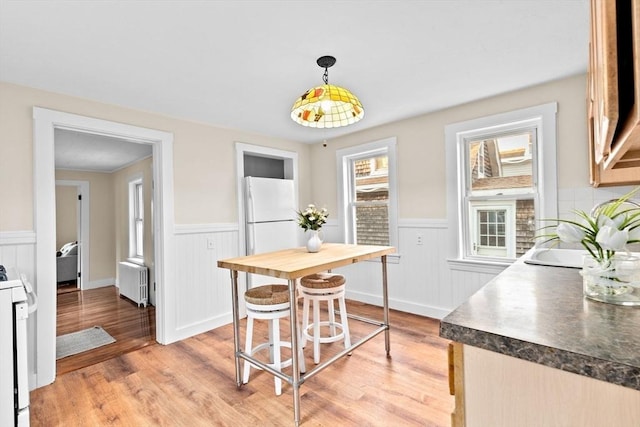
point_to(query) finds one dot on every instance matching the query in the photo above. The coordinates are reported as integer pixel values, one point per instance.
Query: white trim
(423, 223)
(401, 305)
(475, 266)
(100, 283)
(84, 236)
(44, 124)
(343, 156)
(205, 228)
(541, 116)
(17, 238)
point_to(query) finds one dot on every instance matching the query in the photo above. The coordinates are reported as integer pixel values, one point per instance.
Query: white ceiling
(96, 153)
(241, 64)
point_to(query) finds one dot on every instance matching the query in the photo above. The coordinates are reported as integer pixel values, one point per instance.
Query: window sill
(477, 266)
(137, 261)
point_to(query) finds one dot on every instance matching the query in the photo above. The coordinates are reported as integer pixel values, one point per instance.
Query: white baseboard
(207, 325)
(405, 306)
(94, 284)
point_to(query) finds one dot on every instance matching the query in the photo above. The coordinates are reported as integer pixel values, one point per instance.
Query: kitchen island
(293, 264)
(529, 350)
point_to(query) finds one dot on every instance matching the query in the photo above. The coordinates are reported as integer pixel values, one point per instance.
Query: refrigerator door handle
(250, 203)
(251, 240)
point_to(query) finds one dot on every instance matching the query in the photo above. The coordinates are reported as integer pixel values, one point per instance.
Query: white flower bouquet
(312, 218)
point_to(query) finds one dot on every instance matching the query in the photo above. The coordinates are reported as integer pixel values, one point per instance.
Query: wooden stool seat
(322, 280)
(323, 287)
(268, 302)
(267, 295)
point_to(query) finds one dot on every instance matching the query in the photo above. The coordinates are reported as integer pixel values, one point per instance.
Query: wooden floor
(131, 326)
(192, 383)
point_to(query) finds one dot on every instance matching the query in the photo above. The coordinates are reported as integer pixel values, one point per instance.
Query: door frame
(45, 121)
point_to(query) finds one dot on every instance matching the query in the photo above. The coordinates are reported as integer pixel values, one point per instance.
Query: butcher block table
(292, 264)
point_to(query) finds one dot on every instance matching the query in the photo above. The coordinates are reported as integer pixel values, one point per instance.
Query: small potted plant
(610, 270)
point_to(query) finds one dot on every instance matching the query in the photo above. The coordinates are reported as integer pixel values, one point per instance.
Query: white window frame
(543, 118)
(135, 182)
(346, 186)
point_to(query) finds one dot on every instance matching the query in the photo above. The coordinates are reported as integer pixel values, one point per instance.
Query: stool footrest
(326, 339)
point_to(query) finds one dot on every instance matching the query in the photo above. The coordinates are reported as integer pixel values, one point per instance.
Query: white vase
(314, 242)
(616, 281)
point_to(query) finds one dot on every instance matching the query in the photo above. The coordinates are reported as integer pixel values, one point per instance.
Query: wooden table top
(297, 262)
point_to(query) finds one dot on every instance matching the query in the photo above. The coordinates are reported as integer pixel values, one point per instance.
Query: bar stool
(268, 302)
(323, 287)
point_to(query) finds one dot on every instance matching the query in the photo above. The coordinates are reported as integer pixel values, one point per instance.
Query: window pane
(139, 238)
(501, 163)
(491, 227)
(525, 226)
(371, 200)
(372, 225)
(372, 179)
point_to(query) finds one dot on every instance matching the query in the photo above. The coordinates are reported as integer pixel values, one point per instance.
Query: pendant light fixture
(327, 106)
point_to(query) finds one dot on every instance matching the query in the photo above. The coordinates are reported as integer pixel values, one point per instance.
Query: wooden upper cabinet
(613, 92)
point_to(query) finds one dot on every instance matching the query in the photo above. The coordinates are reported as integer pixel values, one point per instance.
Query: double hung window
(505, 182)
(136, 219)
(367, 193)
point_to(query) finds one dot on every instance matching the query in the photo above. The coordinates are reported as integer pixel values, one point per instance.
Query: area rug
(78, 342)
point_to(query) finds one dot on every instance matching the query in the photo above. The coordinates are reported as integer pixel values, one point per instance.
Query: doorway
(45, 123)
(101, 239)
(76, 228)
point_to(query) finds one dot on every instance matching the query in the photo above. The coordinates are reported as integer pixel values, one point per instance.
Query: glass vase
(614, 281)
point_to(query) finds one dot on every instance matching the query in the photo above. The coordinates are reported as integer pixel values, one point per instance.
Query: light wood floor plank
(192, 383)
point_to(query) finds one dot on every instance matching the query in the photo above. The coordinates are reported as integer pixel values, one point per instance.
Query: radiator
(133, 282)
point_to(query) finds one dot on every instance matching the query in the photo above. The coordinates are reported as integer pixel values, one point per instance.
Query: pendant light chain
(325, 76)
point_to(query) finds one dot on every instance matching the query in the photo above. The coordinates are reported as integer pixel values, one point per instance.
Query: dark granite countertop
(539, 314)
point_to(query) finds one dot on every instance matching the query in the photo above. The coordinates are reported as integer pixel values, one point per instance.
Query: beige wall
(421, 147)
(101, 221)
(66, 215)
(204, 156)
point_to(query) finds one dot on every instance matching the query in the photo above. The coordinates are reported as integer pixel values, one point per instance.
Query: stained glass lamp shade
(327, 106)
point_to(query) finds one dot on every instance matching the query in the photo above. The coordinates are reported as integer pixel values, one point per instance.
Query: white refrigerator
(270, 211)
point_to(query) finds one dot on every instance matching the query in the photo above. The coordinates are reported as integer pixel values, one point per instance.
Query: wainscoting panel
(203, 290)
(419, 278)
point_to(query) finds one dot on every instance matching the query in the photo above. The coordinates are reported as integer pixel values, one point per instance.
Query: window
(501, 182)
(367, 194)
(136, 218)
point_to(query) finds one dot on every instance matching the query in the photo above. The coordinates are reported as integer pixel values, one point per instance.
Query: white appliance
(15, 293)
(270, 212)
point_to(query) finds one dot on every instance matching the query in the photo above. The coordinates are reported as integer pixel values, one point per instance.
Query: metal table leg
(295, 362)
(385, 298)
(236, 325)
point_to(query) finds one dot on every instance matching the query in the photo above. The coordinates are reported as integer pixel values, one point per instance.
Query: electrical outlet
(210, 243)
(418, 239)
